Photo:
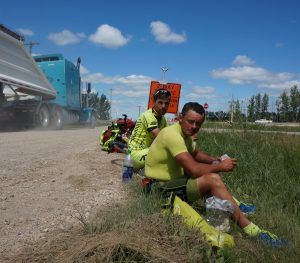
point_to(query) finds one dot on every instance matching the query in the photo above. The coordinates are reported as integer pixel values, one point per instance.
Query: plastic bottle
(127, 169)
(218, 213)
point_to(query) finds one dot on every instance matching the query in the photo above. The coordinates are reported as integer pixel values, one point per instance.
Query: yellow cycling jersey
(141, 137)
(160, 162)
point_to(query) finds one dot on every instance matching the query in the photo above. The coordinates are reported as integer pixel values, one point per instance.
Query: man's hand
(227, 165)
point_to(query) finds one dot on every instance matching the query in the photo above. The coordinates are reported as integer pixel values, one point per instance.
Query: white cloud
(201, 93)
(131, 80)
(242, 60)
(255, 75)
(129, 93)
(109, 37)
(241, 75)
(25, 31)
(83, 70)
(132, 86)
(164, 34)
(135, 80)
(136, 92)
(203, 90)
(280, 85)
(66, 37)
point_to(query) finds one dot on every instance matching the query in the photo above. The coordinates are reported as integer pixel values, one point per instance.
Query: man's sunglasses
(162, 91)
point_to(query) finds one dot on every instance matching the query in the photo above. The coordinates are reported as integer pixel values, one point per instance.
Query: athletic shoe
(272, 240)
(247, 208)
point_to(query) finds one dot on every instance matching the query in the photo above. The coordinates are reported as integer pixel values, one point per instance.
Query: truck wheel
(56, 118)
(43, 117)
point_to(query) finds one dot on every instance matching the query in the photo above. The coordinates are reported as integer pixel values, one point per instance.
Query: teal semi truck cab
(41, 91)
(64, 76)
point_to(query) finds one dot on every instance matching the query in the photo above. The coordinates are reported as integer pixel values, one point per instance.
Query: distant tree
(257, 106)
(264, 106)
(221, 115)
(93, 100)
(101, 105)
(278, 107)
(238, 112)
(294, 103)
(284, 108)
(251, 109)
(104, 108)
(235, 111)
(210, 115)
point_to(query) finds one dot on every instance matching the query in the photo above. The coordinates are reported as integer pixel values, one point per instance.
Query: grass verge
(138, 232)
(267, 175)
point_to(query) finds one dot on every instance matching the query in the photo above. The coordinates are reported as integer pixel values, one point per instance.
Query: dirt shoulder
(48, 178)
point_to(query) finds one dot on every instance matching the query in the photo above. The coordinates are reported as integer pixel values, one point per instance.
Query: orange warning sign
(175, 94)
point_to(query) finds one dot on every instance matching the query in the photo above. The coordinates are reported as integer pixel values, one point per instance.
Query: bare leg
(213, 184)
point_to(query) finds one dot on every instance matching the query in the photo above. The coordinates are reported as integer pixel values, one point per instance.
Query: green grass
(267, 175)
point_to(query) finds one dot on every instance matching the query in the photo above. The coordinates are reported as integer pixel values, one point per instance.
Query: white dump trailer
(43, 92)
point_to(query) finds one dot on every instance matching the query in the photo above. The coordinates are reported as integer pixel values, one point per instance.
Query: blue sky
(215, 49)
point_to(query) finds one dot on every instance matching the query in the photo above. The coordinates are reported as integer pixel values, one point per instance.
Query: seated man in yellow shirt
(147, 128)
(172, 156)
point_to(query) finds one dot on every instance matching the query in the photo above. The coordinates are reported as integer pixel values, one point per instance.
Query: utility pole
(111, 90)
(31, 44)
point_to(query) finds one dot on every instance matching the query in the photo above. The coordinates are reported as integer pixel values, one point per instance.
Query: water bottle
(127, 169)
(218, 213)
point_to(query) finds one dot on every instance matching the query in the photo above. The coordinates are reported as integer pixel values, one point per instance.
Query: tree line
(100, 104)
(287, 108)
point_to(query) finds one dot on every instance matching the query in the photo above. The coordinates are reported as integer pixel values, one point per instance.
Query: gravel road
(46, 179)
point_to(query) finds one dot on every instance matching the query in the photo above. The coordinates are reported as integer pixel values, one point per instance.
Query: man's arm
(203, 157)
(196, 169)
(155, 131)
